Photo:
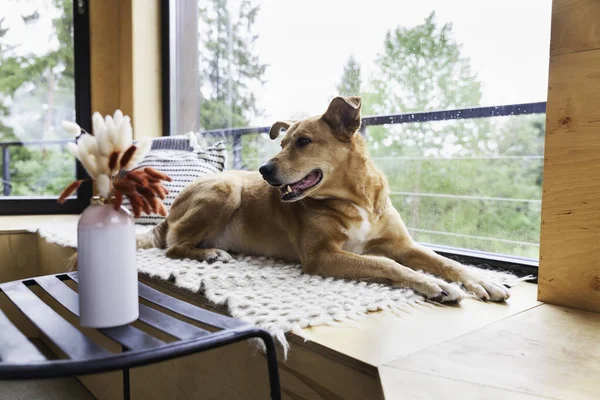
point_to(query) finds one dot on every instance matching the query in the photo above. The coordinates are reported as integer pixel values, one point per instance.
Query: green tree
(41, 85)
(350, 84)
(230, 65)
(421, 69)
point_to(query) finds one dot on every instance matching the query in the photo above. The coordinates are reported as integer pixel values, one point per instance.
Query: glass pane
(36, 94)
(470, 183)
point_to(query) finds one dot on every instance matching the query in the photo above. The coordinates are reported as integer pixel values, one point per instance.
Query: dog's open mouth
(293, 190)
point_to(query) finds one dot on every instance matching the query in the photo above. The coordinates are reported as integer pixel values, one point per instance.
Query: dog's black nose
(267, 170)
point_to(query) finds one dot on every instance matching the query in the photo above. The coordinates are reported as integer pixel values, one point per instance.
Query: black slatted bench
(21, 359)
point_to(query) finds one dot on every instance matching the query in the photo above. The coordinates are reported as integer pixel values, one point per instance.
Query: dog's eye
(302, 142)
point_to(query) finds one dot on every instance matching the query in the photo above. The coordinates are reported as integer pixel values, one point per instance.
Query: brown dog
(325, 205)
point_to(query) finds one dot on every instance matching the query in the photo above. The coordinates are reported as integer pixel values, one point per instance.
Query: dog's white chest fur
(358, 234)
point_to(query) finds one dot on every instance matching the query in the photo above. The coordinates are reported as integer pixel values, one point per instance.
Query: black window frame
(27, 205)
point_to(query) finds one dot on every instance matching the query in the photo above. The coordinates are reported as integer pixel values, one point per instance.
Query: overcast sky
(35, 37)
(306, 44)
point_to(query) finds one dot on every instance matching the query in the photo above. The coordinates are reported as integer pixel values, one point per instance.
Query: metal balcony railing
(236, 134)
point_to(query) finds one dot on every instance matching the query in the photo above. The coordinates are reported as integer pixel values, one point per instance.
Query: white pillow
(183, 167)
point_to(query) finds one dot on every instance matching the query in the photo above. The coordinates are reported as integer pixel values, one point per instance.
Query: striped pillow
(180, 142)
(183, 167)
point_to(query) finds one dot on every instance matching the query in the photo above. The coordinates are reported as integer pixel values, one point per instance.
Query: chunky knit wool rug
(272, 294)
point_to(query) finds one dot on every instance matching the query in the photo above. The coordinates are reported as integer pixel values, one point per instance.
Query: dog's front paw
(486, 289)
(439, 291)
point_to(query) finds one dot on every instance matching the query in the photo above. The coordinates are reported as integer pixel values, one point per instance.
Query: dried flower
(112, 161)
(125, 133)
(103, 185)
(118, 117)
(71, 128)
(128, 155)
(69, 191)
(89, 163)
(73, 149)
(143, 146)
(104, 145)
(157, 175)
(111, 131)
(143, 190)
(109, 156)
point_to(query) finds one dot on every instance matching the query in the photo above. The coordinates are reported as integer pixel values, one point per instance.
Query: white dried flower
(112, 132)
(105, 147)
(102, 163)
(71, 128)
(118, 117)
(97, 123)
(125, 134)
(90, 144)
(72, 148)
(103, 185)
(82, 147)
(89, 163)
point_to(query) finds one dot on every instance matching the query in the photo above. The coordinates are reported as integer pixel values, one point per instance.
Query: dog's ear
(343, 116)
(277, 127)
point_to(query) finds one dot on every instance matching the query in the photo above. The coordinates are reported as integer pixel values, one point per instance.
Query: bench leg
(126, 386)
(272, 365)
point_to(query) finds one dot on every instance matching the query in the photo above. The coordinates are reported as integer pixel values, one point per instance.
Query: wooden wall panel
(126, 87)
(19, 256)
(125, 61)
(105, 55)
(53, 259)
(575, 26)
(570, 236)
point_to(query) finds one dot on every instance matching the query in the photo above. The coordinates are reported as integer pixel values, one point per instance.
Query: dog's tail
(157, 237)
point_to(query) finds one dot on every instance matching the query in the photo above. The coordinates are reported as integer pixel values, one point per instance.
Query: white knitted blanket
(272, 294)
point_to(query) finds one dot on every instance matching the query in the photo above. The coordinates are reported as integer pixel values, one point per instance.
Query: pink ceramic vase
(108, 283)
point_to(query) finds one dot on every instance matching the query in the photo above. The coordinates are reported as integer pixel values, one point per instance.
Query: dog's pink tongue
(307, 182)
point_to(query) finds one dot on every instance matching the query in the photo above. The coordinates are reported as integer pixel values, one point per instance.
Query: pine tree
(228, 63)
(350, 84)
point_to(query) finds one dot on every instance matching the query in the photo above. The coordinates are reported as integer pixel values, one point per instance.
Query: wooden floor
(544, 352)
(519, 350)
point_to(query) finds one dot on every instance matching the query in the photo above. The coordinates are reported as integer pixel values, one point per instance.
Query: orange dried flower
(69, 191)
(143, 189)
(118, 200)
(127, 155)
(157, 175)
(112, 161)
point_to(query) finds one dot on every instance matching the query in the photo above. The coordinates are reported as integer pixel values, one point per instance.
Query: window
(44, 79)
(453, 100)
